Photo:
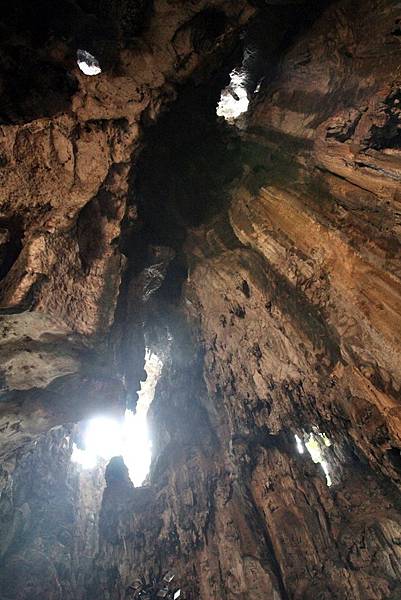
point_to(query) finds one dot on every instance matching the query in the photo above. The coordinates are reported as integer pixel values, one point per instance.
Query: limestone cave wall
(262, 260)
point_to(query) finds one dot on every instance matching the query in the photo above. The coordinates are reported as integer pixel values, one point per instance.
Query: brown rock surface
(64, 175)
(262, 263)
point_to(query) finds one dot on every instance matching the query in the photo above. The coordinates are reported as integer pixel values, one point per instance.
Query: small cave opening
(316, 444)
(88, 64)
(234, 99)
(245, 78)
(104, 438)
(261, 55)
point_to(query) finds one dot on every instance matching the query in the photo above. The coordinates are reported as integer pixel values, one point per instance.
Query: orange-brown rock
(262, 263)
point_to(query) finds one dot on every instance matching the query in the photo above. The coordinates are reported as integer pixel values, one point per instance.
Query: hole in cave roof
(88, 64)
(105, 438)
(315, 443)
(234, 99)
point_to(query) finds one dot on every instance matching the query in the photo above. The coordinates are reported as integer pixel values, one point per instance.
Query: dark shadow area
(188, 161)
(38, 46)
(11, 232)
(275, 26)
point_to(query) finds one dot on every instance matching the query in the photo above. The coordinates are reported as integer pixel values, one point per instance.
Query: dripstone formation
(260, 259)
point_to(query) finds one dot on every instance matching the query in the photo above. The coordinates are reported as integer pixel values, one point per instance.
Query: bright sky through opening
(129, 437)
(88, 64)
(314, 443)
(234, 98)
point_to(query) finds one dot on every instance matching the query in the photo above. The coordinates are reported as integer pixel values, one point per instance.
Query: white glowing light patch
(88, 63)
(314, 444)
(129, 437)
(234, 98)
(314, 447)
(85, 458)
(300, 446)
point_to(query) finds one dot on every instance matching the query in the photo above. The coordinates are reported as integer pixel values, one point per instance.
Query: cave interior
(200, 300)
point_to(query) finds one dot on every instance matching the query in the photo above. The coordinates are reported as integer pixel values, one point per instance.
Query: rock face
(65, 162)
(49, 522)
(263, 263)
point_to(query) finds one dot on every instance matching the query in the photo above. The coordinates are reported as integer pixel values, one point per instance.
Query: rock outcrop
(294, 311)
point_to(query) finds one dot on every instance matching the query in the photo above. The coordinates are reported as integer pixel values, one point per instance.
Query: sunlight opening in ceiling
(234, 98)
(88, 64)
(129, 437)
(315, 443)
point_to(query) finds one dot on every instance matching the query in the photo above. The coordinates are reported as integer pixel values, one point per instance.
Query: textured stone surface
(264, 265)
(297, 316)
(48, 523)
(65, 169)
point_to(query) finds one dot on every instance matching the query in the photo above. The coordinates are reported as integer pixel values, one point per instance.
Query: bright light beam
(234, 98)
(129, 437)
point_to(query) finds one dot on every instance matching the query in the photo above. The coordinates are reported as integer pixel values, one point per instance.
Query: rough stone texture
(48, 523)
(244, 516)
(297, 316)
(288, 322)
(65, 163)
(326, 222)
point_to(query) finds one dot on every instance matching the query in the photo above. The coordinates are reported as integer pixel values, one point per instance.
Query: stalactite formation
(257, 257)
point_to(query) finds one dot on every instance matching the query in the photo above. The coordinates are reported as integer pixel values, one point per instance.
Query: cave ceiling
(256, 255)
